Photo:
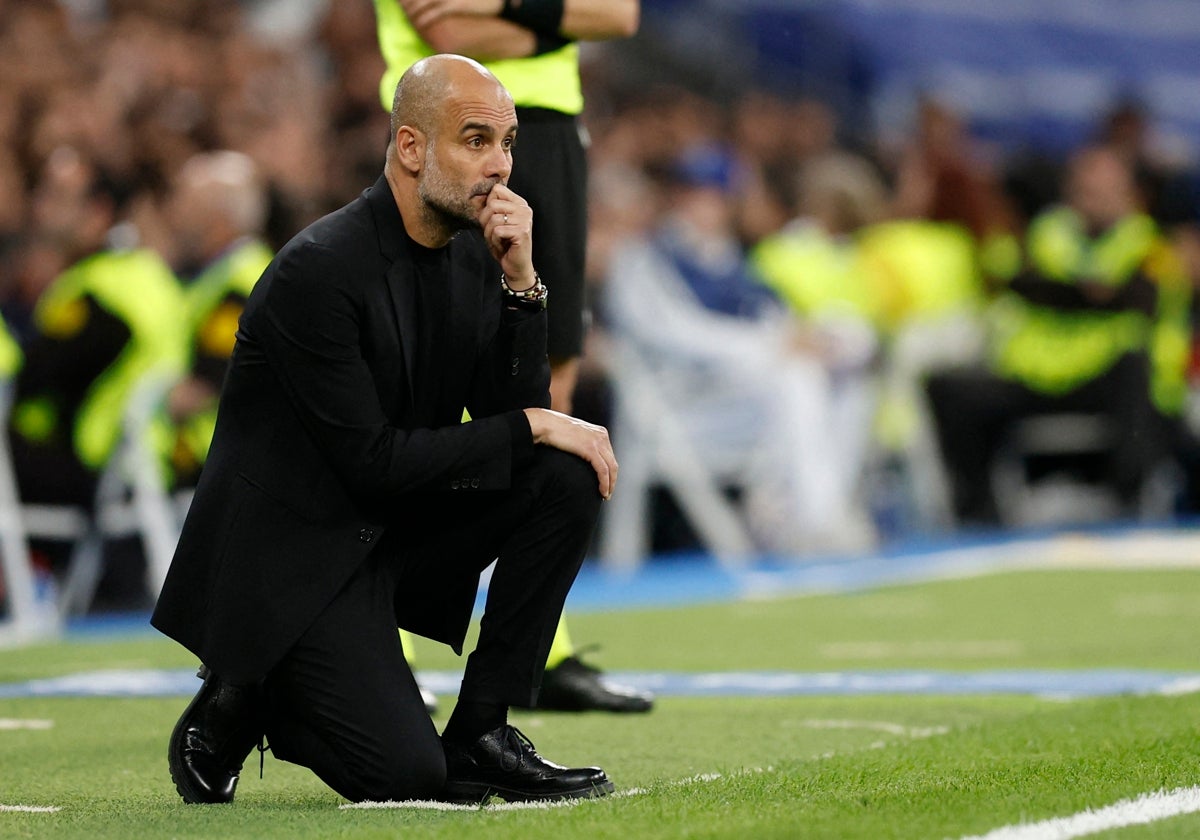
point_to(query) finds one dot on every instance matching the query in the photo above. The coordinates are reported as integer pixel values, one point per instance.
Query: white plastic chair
(28, 618)
(656, 445)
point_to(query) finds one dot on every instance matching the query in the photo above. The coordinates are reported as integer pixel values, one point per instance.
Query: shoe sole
(476, 793)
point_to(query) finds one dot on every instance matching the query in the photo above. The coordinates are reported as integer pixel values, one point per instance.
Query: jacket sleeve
(513, 371)
(309, 326)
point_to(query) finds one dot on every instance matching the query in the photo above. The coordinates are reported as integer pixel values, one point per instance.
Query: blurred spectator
(218, 210)
(105, 327)
(110, 318)
(1157, 163)
(943, 176)
(814, 265)
(1096, 323)
(139, 87)
(929, 295)
(683, 304)
(1183, 225)
(622, 205)
(775, 138)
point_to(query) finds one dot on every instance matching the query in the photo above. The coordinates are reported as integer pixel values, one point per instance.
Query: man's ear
(410, 148)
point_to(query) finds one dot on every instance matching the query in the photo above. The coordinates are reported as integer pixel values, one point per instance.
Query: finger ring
(505, 218)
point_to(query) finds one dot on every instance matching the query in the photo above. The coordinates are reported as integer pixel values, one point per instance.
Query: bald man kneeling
(343, 496)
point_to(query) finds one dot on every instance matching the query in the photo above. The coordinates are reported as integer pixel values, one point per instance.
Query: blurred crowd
(136, 87)
(919, 331)
(829, 323)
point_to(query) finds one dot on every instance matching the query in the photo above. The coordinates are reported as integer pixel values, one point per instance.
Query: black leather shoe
(504, 763)
(217, 731)
(574, 686)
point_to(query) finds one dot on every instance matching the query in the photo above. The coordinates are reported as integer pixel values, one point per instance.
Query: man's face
(186, 212)
(1100, 187)
(63, 209)
(468, 153)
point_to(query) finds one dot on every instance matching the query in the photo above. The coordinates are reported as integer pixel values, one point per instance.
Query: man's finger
(605, 478)
(609, 475)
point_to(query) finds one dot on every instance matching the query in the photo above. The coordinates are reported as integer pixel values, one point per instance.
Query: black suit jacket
(316, 448)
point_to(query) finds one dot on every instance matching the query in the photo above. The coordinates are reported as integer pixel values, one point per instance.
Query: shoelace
(520, 740)
(262, 748)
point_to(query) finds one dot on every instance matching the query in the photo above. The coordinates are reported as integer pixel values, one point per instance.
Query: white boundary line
(1147, 808)
(496, 805)
(435, 805)
(30, 809)
(8, 724)
(914, 732)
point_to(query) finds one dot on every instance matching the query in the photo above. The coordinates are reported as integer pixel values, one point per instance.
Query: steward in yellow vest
(1087, 301)
(1095, 323)
(218, 210)
(11, 356)
(106, 323)
(213, 304)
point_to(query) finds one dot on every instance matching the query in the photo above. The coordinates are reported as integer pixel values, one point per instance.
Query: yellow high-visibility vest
(550, 80)
(140, 289)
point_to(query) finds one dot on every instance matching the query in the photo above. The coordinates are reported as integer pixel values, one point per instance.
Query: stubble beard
(445, 205)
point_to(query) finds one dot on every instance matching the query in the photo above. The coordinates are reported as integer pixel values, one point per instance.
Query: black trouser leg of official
(344, 702)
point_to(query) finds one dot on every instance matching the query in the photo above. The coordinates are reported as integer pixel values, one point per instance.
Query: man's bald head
(453, 127)
(228, 184)
(424, 88)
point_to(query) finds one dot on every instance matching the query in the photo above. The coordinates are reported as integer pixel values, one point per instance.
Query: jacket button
(474, 483)
(516, 366)
(366, 535)
(454, 484)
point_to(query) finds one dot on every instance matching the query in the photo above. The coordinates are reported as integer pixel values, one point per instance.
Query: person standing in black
(343, 497)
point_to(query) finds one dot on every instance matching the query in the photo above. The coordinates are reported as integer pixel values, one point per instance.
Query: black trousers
(550, 172)
(344, 701)
(975, 409)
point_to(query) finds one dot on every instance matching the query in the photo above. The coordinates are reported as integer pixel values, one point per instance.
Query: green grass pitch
(878, 766)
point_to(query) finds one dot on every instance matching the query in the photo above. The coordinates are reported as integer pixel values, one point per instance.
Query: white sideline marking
(1147, 808)
(17, 723)
(31, 809)
(1185, 685)
(879, 726)
(944, 649)
(434, 805)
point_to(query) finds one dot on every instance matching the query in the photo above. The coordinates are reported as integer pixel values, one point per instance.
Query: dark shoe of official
(217, 731)
(504, 763)
(574, 686)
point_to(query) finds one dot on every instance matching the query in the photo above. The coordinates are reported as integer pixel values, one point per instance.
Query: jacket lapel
(393, 245)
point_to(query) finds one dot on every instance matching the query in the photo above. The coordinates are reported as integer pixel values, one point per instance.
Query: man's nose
(499, 164)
